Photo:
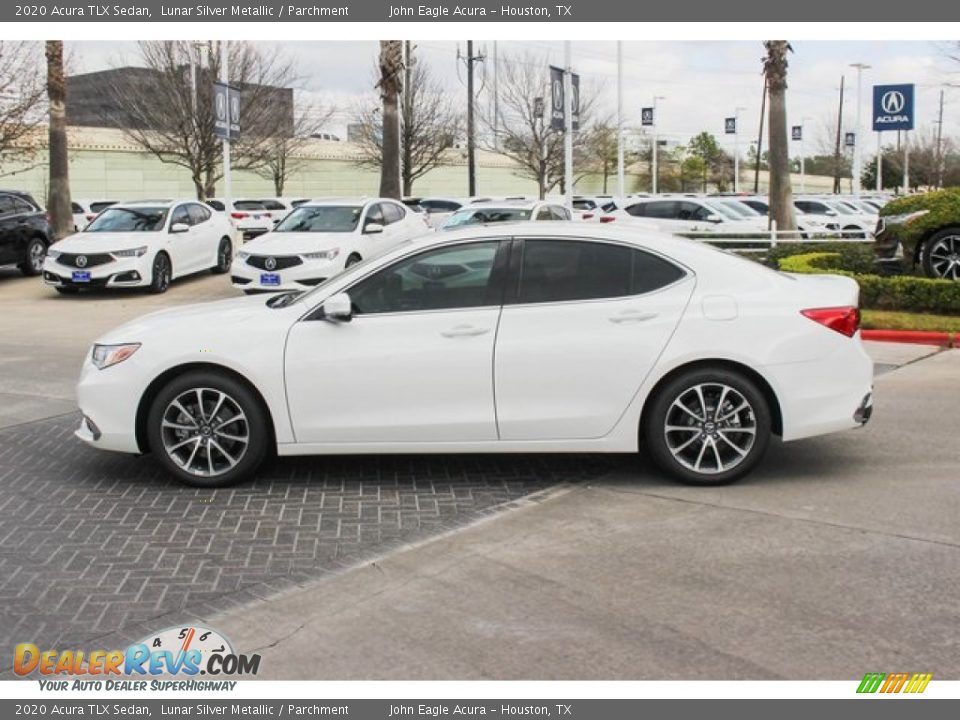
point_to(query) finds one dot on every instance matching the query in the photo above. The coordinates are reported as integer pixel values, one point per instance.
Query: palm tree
(58, 201)
(390, 84)
(781, 193)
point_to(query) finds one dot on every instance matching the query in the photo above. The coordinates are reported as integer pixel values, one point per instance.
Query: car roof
(506, 204)
(150, 203)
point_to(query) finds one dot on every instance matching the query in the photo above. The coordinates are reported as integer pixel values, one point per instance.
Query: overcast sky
(702, 82)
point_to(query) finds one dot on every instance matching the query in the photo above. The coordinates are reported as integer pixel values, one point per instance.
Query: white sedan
(142, 244)
(319, 239)
(559, 337)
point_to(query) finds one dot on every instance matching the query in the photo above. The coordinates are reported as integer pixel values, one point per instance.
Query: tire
(852, 232)
(940, 257)
(160, 278)
(224, 257)
(699, 449)
(352, 260)
(36, 252)
(67, 290)
(204, 448)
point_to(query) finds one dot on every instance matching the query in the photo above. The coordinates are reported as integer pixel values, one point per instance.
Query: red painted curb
(918, 337)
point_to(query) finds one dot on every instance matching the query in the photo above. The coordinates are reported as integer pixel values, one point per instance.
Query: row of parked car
(297, 243)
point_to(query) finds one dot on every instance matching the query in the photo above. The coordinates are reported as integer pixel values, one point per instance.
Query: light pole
(857, 152)
(654, 172)
(803, 169)
(225, 79)
(736, 148)
(620, 178)
(568, 126)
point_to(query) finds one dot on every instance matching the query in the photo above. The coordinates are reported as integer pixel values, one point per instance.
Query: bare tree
(523, 133)
(22, 93)
(166, 118)
(781, 192)
(281, 155)
(601, 152)
(391, 85)
(58, 200)
(429, 127)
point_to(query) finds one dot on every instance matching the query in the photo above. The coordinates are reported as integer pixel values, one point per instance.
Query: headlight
(903, 218)
(103, 356)
(53, 254)
(135, 252)
(242, 255)
(325, 255)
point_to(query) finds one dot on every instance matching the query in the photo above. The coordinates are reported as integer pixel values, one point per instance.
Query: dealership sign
(557, 104)
(730, 125)
(226, 111)
(893, 107)
(796, 132)
(646, 116)
(850, 139)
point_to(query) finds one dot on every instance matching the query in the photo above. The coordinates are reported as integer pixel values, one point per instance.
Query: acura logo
(270, 263)
(81, 260)
(892, 102)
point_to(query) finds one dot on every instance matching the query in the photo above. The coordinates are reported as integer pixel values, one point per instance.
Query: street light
(654, 168)
(857, 152)
(803, 169)
(736, 148)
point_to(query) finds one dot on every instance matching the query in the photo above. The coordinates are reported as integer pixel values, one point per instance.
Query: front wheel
(36, 252)
(160, 280)
(352, 260)
(941, 255)
(208, 429)
(224, 257)
(708, 426)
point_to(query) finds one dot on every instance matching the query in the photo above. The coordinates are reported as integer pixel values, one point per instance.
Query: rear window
(321, 218)
(248, 205)
(98, 206)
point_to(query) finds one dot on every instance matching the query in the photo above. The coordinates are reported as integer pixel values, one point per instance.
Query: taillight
(238, 215)
(845, 320)
(90, 216)
(607, 218)
(587, 216)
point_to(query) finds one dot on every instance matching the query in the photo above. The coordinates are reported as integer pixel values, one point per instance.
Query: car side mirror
(712, 218)
(372, 228)
(338, 308)
(179, 228)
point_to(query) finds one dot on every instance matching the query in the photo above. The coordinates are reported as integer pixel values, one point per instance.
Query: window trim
(516, 262)
(500, 266)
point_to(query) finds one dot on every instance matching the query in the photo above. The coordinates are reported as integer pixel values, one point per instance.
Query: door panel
(568, 369)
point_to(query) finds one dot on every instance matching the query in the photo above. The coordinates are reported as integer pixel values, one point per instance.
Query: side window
(21, 207)
(444, 278)
(637, 210)
(544, 213)
(216, 205)
(198, 214)
(688, 211)
(559, 213)
(180, 215)
(700, 212)
(375, 215)
(563, 270)
(391, 213)
(76, 209)
(6, 205)
(664, 209)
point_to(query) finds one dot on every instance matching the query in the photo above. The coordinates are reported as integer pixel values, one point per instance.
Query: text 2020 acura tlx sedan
(508, 338)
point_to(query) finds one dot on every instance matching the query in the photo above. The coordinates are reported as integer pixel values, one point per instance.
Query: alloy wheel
(37, 254)
(710, 428)
(205, 432)
(945, 257)
(226, 256)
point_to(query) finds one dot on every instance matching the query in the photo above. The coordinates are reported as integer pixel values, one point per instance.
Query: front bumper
(307, 275)
(109, 400)
(123, 272)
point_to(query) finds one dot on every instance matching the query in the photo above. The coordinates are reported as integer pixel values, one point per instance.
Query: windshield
(739, 208)
(132, 219)
(321, 218)
(840, 208)
(478, 216)
(726, 212)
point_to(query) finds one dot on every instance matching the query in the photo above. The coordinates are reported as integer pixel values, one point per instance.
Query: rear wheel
(708, 426)
(36, 252)
(224, 256)
(160, 281)
(941, 255)
(208, 429)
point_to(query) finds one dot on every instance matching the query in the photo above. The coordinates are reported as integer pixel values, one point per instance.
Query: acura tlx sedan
(534, 337)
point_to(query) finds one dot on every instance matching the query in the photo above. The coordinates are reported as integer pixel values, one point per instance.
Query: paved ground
(840, 554)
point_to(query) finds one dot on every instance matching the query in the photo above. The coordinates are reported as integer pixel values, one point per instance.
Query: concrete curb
(916, 337)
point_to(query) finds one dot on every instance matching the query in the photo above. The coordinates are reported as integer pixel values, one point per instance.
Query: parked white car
(86, 210)
(686, 215)
(807, 225)
(144, 244)
(534, 337)
(485, 213)
(319, 239)
(250, 217)
(851, 224)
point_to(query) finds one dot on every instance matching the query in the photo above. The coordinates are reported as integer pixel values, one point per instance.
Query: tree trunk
(390, 66)
(58, 201)
(781, 192)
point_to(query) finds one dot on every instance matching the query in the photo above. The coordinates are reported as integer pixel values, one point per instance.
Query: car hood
(207, 321)
(295, 243)
(105, 241)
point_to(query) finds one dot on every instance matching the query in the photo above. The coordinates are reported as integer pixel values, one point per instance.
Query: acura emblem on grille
(270, 263)
(81, 260)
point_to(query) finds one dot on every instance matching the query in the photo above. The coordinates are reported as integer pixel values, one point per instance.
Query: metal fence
(764, 241)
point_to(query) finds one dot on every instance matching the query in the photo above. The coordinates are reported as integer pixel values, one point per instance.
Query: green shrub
(854, 257)
(884, 293)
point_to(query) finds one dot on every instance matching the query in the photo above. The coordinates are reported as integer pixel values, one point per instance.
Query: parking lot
(838, 556)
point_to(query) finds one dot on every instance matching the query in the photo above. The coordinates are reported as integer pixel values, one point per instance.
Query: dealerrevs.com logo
(175, 652)
(888, 683)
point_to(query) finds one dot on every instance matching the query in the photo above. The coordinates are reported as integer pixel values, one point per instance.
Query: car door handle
(633, 316)
(465, 331)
